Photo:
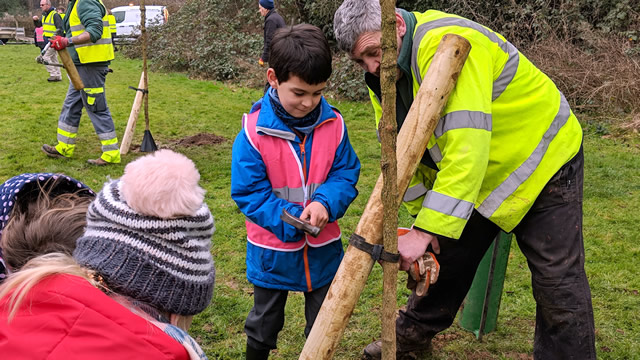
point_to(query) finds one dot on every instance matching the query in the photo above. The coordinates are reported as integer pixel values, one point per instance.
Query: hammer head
(39, 59)
(299, 223)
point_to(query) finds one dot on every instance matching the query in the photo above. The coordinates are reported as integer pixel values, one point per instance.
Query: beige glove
(422, 273)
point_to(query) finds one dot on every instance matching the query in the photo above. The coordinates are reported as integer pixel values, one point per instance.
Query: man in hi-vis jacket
(506, 154)
(88, 40)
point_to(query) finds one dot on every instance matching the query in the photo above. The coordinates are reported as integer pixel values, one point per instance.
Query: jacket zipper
(307, 272)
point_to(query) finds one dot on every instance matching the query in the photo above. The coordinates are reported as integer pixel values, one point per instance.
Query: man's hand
(316, 214)
(58, 42)
(413, 245)
(35, 17)
(260, 62)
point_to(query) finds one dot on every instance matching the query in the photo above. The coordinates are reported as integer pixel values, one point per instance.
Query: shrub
(594, 42)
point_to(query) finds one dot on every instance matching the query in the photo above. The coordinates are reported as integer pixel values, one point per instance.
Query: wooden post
(71, 69)
(125, 144)
(412, 142)
(388, 166)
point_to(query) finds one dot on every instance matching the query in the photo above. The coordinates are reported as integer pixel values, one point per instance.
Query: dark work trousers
(550, 237)
(266, 319)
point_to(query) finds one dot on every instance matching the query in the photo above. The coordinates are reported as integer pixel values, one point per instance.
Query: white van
(128, 19)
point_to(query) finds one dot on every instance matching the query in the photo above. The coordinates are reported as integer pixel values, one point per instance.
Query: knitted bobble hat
(149, 235)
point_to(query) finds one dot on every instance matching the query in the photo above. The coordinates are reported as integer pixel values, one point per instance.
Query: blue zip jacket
(252, 192)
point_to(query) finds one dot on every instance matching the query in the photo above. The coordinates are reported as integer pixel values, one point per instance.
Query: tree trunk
(412, 142)
(388, 166)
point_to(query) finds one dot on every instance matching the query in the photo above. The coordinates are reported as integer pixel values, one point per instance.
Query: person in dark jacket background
(272, 22)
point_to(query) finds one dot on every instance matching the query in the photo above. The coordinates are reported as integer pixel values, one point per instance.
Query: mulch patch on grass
(199, 140)
(187, 141)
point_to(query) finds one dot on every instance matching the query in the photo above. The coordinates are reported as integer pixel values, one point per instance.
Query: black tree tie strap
(376, 251)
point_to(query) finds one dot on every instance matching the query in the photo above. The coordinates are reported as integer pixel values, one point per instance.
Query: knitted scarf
(304, 124)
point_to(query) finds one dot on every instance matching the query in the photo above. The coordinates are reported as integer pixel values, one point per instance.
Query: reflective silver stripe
(463, 119)
(102, 41)
(107, 136)
(110, 147)
(66, 140)
(67, 128)
(522, 173)
(277, 133)
(290, 194)
(508, 72)
(105, 23)
(414, 192)
(448, 205)
(436, 154)
(76, 27)
(510, 67)
(312, 188)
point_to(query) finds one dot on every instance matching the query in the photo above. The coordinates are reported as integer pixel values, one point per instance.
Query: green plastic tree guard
(480, 308)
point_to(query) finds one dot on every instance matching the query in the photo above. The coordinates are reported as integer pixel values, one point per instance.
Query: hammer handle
(299, 223)
(71, 69)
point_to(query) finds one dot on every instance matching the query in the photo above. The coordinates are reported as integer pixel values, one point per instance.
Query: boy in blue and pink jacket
(292, 154)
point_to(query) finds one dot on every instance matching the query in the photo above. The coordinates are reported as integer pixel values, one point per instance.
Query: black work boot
(373, 351)
(257, 354)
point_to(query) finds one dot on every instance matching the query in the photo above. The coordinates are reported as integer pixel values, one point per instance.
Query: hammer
(300, 224)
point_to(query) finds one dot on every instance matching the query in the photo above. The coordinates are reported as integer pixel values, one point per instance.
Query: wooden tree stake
(125, 144)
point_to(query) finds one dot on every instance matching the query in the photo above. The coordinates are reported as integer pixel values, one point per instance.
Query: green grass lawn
(180, 107)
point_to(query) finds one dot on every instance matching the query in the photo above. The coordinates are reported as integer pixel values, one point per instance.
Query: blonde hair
(48, 224)
(34, 271)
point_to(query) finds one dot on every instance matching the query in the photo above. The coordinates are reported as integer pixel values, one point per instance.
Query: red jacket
(65, 317)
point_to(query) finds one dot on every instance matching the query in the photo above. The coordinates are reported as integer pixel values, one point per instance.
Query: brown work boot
(51, 151)
(373, 351)
(54, 79)
(98, 162)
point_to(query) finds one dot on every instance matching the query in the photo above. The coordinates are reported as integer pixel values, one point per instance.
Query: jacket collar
(269, 123)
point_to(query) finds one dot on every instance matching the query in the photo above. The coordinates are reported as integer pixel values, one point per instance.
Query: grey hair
(48, 2)
(352, 19)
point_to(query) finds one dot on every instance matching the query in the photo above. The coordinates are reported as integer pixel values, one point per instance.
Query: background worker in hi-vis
(89, 44)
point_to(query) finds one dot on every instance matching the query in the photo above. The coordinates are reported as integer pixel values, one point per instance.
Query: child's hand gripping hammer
(300, 224)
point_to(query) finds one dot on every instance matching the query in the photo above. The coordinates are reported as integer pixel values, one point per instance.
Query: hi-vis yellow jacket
(48, 25)
(101, 50)
(505, 131)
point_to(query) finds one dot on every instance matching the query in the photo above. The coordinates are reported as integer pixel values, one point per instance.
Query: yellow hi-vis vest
(101, 50)
(505, 131)
(112, 23)
(48, 26)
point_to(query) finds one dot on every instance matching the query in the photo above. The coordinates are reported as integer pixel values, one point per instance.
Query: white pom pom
(163, 184)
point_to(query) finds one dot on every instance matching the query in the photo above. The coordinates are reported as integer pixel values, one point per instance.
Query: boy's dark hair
(301, 50)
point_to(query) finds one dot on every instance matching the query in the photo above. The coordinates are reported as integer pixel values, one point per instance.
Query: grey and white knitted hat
(166, 263)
